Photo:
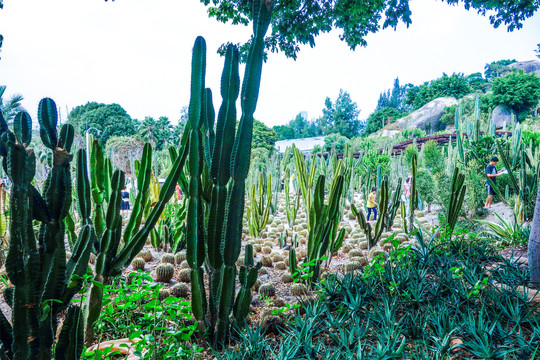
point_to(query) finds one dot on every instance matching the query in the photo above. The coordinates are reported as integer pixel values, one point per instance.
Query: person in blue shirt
(491, 173)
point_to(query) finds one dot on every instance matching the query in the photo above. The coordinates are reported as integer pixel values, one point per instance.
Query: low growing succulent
(164, 272)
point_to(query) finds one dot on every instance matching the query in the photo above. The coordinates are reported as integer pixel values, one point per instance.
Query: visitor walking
(282, 181)
(408, 192)
(372, 204)
(491, 172)
(124, 206)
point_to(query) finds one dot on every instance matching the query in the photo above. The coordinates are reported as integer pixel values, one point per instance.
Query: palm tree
(164, 130)
(148, 129)
(11, 107)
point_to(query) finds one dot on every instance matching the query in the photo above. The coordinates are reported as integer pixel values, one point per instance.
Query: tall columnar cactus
(44, 283)
(323, 224)
(457, 195)
(305, 179)
(258, 210)
(413, 203)
(220, 156)
(290, 208)
(394, 206)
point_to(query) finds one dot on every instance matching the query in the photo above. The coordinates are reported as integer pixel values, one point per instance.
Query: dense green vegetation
(255, 254)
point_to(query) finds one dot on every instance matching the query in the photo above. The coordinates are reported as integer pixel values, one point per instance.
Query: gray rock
(531, 66)
(502, 116)
(428, 115)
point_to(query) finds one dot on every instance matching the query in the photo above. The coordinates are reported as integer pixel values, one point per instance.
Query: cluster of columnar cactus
(43, 282)
(214, 230)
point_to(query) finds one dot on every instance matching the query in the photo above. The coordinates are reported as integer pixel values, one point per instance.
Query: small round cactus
(375, 251)
(138, 263)
(180, 256)
(277, 258)
(92, 259)
(354, 253)
(267, 290)
(146, 255)
(263, 271)
(363, 245)
(298, 289)
(346, 248)
(266, 261)
(257, 285)
(184, 265)
(184, 275)
(388, 247)
(266, 249)
(257, 247)
(280, 265)
(163, 294)
(180, 290)
(240, 260)
(168, 258)
(164, 272)
(286, 278)
(352, 265)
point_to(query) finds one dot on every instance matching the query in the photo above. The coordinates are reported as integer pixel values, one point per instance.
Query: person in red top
(178, 192)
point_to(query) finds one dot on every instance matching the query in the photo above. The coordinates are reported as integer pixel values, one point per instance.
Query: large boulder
(502, 116)
(531, 66)
(428, 115)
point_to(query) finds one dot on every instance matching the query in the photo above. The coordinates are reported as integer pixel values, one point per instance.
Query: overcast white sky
(137, 53)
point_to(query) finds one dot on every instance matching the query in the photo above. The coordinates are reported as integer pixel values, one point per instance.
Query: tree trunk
(534, 245)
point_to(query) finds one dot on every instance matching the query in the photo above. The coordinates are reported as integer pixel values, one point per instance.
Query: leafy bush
(409, 152)
(425, 185)
(517, 90)
(531, 137)
(135, 311)
(334, 143)
(372, 159)
(409, 134)
(455, 86)
(433, 156)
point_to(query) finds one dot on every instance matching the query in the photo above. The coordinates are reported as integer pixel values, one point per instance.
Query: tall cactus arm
(48, 118)
(130, 250)
(143, 182)
(22, 128)
(71, 339)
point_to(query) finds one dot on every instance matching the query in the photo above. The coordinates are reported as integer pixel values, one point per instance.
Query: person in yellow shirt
(372, 204)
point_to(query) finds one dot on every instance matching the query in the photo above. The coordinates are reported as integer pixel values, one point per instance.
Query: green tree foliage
(455, 85)
(298, 22)
(433, 156)
(263, 136)
(297, 128)
(11, 107)
(376, 120)
(156, 132)
(425, 185)
(110, 120)
(477, 82)
(372, 159)
(410, 151)
(531, 138)
(517, 90)
(341, 116)
(497, 68)
(394, 97)
(334, 143)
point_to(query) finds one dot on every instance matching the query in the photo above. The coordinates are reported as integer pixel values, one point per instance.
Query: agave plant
(506, 232)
